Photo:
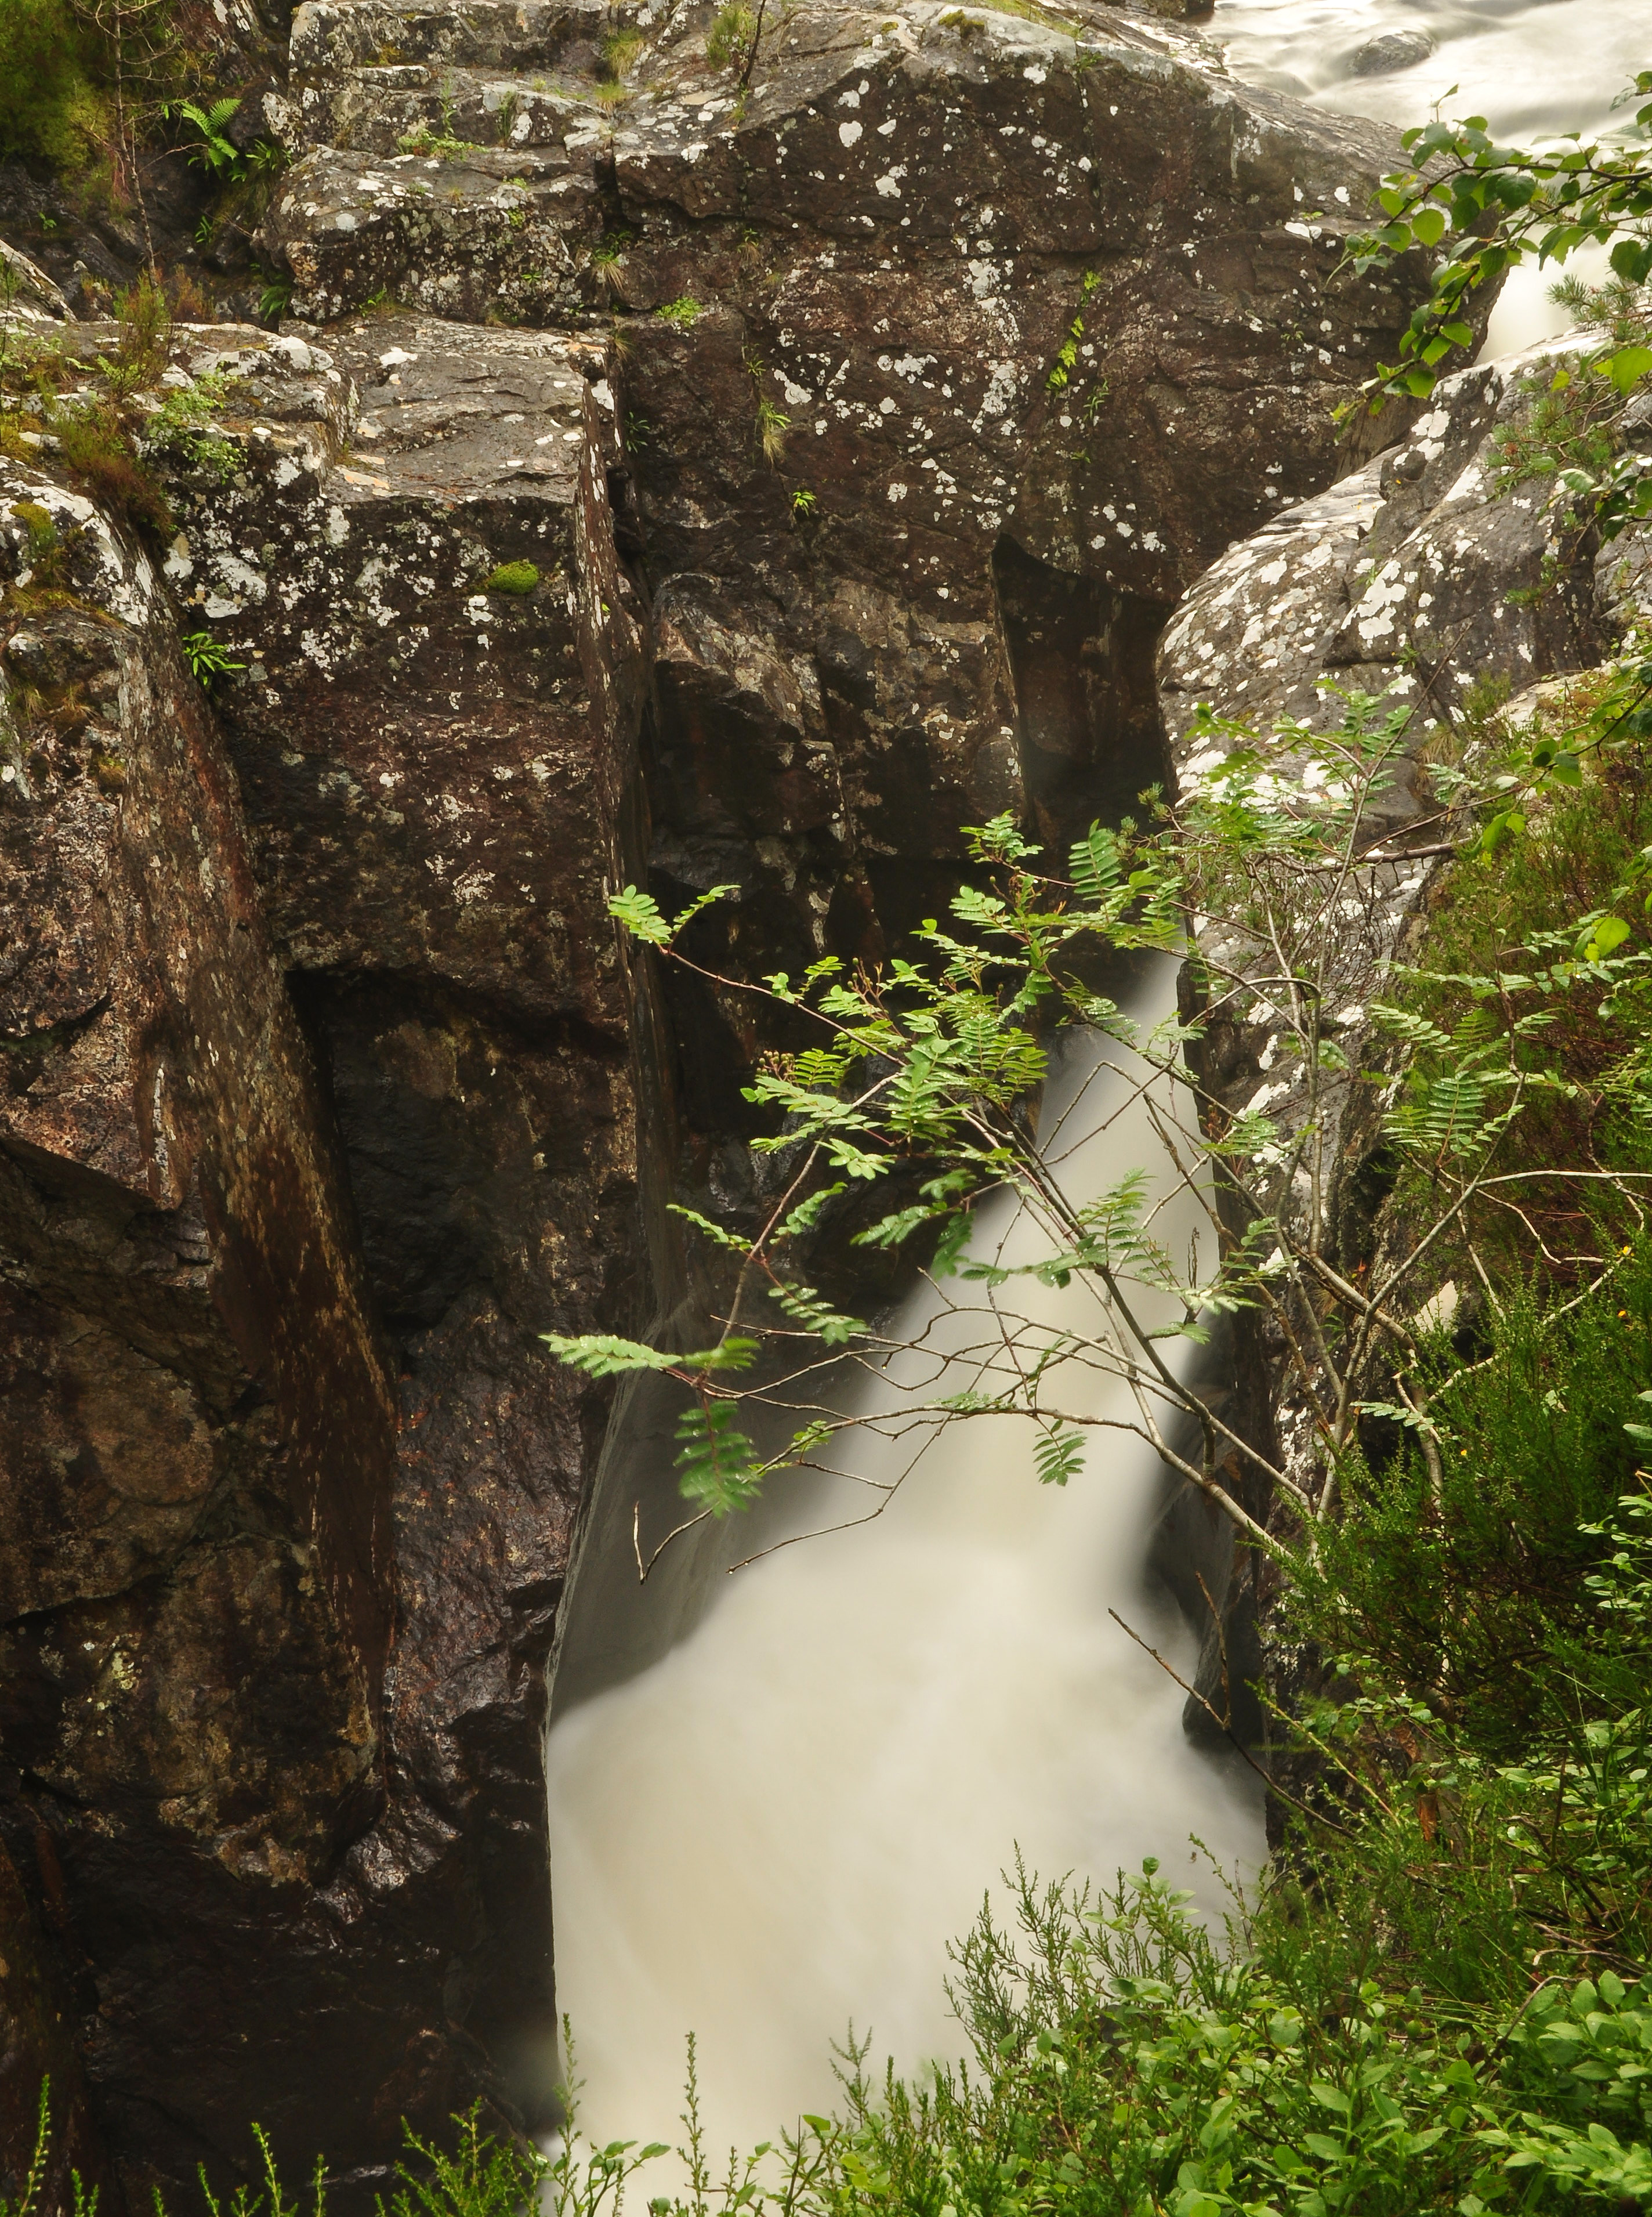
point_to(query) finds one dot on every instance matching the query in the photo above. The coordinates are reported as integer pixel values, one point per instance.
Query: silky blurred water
(1534, 69)
(778, 1827)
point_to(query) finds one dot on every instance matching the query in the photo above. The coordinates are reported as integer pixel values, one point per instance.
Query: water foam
(778, 1827)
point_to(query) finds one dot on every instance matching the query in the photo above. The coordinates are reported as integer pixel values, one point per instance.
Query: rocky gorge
(666, 470)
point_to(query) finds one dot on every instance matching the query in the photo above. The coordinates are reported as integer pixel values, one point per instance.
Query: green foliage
(207, 658)
(94, 444)
(1535, 976)
(186, 423)
(1490, 207)
(211, 151)
(1439, 2005)
(438, 139)
(734, 30)
(618, 52)
(685, 312)
(35, 2180)
(512, 578)
(275, 299)
(1067, 357)
(1459, 1584)
(1515, 1110)
(716, 1464)
(773, 424)
(144, 317)
(1568, 423)
(54, 99)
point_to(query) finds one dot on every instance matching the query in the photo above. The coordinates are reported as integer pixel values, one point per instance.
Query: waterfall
(777, 1828)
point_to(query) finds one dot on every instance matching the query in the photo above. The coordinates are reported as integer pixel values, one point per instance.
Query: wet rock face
(290, 1480)
(197, 1431)
(1393, 50)
(949, 323)
(945, 355)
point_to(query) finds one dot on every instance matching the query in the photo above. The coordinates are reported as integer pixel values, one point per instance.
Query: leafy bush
(733, 32)
(53, 106)
(94, 444)
(1459, 1585)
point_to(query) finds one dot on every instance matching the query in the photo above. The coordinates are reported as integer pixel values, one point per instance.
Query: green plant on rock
(144, 317)
(96, 445)
(39, 525)
(187, 422)
(207, 658)
(438, 139)
(772, 426)
(683, 312)
(1569, 423)
(734, 30)
(512, 578)
(276, 298)
(618, 53)
(1061, 369)
(211, 149)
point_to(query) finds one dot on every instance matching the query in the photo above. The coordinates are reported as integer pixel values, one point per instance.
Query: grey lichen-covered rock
(460, 236)
(1436, 579)
(1430, 569)
(28, 295)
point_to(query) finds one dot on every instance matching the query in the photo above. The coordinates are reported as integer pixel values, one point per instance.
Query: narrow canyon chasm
(674, 491)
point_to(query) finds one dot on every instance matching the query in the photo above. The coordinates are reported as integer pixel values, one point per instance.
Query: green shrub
(95, 445)
(1461, 1589)
(53, 106)
(1125, 2062)
(729, 40)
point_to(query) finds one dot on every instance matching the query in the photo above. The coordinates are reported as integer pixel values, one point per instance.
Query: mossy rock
(512, 578)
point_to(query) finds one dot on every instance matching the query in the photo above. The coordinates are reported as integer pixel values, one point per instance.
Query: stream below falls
(775, 1827)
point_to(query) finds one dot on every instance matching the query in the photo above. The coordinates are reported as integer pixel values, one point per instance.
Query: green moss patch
(512, 578)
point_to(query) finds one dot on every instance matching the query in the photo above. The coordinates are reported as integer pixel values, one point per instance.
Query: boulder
(1392, 50)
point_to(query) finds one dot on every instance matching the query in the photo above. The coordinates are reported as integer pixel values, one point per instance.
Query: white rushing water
(1534, 69)
(778, 1827)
